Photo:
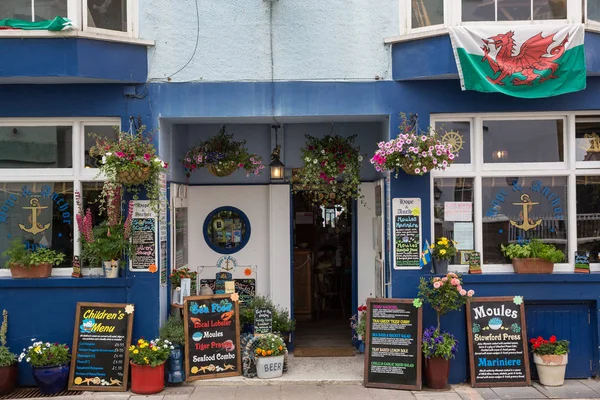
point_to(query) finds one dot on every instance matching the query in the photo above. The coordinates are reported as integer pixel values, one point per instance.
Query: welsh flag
(56, 24)
(529, 61)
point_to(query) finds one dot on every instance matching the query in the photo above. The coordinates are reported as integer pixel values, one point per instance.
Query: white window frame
(570, 168)
(592, 23)
(583, 165)
(453, 17)
(78, 174)
(132, 18)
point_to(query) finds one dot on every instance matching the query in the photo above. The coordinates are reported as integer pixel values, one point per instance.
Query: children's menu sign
(144, 236)
(407, 233)
(212, 336)
(393, 344)
(497, 342)
(101, 339)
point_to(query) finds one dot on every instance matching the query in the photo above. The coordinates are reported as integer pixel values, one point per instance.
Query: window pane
(587, 141)
(427, 13)
(514, 10)
(593, 10)
(453, 213)
(106, 14)
(549, 9)
(89, 199)
(36, 147)
(105, 131)
(38, 214)
(523, 141)
(517, 209)
(477, 10)
(458, 134)
(588, 215)
(49, 9)
(17, 9)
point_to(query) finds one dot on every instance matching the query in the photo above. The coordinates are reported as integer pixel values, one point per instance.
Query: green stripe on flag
(57, 24)
(571, 73)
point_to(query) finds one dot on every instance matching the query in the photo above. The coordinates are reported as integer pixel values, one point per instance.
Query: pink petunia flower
(437, 285)
(147, 157)
(120, 154)
(417, 171)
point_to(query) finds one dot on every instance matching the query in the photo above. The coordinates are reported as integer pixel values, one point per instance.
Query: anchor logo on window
(36, 210)
(528, 223)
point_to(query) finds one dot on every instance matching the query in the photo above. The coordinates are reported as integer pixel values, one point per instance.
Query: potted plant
(8, 361)
(222, 156)
(50, 363)
(331, 171)
(534, 257)
(36, 263)
(550, 358)
(443, 295)
(442, 252)
(247, 311)
(130, 161)
(270, 354)
(283, 324)
(147, 360)
(176, 277)
(413, 151)
(109, 241)
(358, 323)
(173, 331)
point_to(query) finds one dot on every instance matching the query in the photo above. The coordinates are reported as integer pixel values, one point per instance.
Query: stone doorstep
(272, 382)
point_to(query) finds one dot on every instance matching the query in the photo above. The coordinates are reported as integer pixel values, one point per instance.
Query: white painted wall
(312, 39)
(280, 251)
(366, 252)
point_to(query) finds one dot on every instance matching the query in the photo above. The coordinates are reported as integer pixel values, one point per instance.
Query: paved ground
(573, 389)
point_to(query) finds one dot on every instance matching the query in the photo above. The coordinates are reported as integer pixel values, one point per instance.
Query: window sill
(63, 281)
(73, 33)
(407, 37)
(507, 270)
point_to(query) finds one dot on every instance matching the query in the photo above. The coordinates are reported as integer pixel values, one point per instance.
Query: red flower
(552, 339)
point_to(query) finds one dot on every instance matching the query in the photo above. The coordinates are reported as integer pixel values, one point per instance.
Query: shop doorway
(324, 276)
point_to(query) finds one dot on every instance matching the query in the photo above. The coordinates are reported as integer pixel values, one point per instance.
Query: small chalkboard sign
(101, 342)
(407, 233)
(474, 260)
(212, 337)
(144, 242)
(393, 344)
(76, 268)
(582, 262)
(497, 342)
(263, 321)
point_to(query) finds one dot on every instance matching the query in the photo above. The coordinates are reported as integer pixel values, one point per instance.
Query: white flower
(33, 340)
(47, 344)
(360, 158)
(162, 164)
(323, 151)
(109, 154)
(103, 159)
(165, 346)
(28, 359)
(314, 161)
(307, 159)
(172, 348)
(157, 159)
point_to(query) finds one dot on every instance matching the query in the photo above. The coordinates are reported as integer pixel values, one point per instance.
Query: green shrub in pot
(534, 249)
(173, 331)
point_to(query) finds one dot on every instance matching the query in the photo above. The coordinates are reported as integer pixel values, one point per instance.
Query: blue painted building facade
(105, 79)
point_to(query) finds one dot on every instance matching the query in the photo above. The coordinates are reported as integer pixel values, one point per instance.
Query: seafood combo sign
(497, 342)
(100, 347)
(212, 336)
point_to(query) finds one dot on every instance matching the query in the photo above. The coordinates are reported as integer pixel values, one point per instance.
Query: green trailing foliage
(6, 357)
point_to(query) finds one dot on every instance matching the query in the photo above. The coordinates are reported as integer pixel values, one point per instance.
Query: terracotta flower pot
(551, 368)
(8, 379)
(146, 379)
(532, 266)
(34, 271)
(437, 370)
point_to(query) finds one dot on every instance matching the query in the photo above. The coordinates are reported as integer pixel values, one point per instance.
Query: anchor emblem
(36, 210)
(528, 223)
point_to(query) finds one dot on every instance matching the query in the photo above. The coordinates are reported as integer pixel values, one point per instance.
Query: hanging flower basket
(413, 151)
(221, 171)
(222, 156)
(331, 170)
(136, 176)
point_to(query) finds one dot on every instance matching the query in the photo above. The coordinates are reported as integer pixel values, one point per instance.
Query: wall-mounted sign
(393, 344)
(497, 342)
(212, 337)
(407, 233)
(458, 211)
(227, 263)
(144, 226)
(101, 341)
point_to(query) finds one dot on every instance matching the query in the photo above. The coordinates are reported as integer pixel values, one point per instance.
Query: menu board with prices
(393, 344)
(407, 233)
(144, 242)
(101, 339)
(497, 342)
(212, 337)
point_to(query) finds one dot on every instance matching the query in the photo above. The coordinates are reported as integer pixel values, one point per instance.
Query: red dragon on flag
(533, 58)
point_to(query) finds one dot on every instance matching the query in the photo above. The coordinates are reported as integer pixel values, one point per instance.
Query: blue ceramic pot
(176, 372)
(361, 347)
(51, 380)
(248, 328)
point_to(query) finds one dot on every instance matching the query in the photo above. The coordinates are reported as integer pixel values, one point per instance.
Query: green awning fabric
(57, 24)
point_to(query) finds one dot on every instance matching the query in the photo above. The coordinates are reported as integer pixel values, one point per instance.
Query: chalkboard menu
(212, 337)
(407, 233)
(245, 288)
(393, 344)
(263, 321)
(101, 340)
(497, 342)
(144, 242)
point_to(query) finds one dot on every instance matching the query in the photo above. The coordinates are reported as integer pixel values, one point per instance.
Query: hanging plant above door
(331, 171)
(222, 156)
(414, 151)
